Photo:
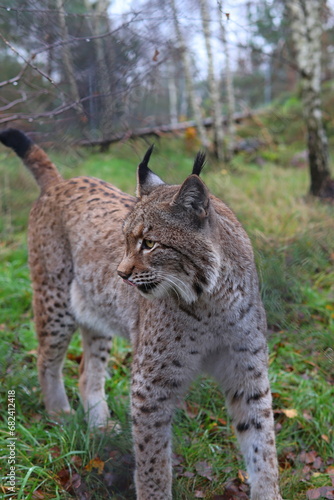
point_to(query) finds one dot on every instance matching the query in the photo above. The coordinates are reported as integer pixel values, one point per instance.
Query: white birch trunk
(188, 77)
(172, 93)
(67, 60)
(98, 25)
(213, 84)
(306, 34)
(230, 125)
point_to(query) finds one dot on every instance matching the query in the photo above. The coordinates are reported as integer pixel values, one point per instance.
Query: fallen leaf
(76, 481)
(192, 410)
(308, 457)
(233, 490)
(199, 494)
(36, 417)
(204, 469)
(324, 491)
(55, 451)
(278, 427)
(242, 475)
(307, 471)
(188, 474)
(74, 357)
(63, 477)
(220, 420)
(177, 459)
(330, 472)
(325, 438)
(95, 463)
(317, 464)
(38, 495)
(290, 413)
(76, 460)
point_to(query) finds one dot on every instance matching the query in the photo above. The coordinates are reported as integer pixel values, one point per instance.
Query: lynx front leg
(243, 374)
(92, 376)
(156, 384)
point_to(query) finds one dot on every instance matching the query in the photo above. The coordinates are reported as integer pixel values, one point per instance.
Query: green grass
(293, 239)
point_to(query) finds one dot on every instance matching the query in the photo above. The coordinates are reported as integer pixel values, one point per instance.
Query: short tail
(35, 159)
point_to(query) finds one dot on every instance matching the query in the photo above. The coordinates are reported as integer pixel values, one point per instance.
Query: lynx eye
(148, 244)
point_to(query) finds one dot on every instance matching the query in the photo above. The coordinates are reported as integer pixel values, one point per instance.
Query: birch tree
(68, 61)
(213, 84)
(305, 22)
(188, 77)
(229, 85)
(98, 25)
(172, 93)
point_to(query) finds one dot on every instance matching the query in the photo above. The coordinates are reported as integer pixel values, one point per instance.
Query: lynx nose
(124, 276)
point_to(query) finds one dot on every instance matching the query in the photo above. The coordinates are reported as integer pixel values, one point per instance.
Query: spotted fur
(193, 306)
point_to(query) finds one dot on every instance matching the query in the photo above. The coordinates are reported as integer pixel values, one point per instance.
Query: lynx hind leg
(244, 378)
(55, 326)
(92, 377)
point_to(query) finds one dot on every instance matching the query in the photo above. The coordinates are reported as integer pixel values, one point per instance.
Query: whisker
(181, 290)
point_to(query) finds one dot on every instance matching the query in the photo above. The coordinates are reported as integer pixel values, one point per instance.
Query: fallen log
(157, 131)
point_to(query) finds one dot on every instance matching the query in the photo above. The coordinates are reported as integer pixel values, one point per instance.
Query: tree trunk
(68, 62)
(306, 34)
(98, 25)
(213, 84)
(172, 93)
(229, 88)
(188, 77)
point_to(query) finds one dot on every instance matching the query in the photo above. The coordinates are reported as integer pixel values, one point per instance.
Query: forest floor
(293, 238)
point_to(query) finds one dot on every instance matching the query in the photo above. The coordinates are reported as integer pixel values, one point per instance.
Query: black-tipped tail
(16, 140)
(199, 163)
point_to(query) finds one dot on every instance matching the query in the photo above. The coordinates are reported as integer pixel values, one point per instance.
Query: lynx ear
(193, 196)
(146, 179)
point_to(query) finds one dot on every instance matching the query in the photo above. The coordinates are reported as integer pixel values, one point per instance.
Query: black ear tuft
(199, 163)
(17, 140)
(146, 179)
(143, 170)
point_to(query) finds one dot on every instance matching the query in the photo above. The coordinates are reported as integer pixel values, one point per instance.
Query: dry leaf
(325, 438)
(204, 469)
(74, 357)
(76, 460)
(308, 457)
(38, 495)
(234, 490)
(55, 451)
(290, 413)
(242, 475)
(188, 474)
(192, 410)
(199, 494)
(95, 463)
(330, 472)
(63, 477)
(324, 491)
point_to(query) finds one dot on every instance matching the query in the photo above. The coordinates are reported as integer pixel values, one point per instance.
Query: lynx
(172, 270)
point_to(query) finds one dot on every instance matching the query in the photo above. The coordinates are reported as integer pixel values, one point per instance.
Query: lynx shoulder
(171, 269)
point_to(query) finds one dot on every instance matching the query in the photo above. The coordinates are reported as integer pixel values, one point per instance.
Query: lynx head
(170, 247)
